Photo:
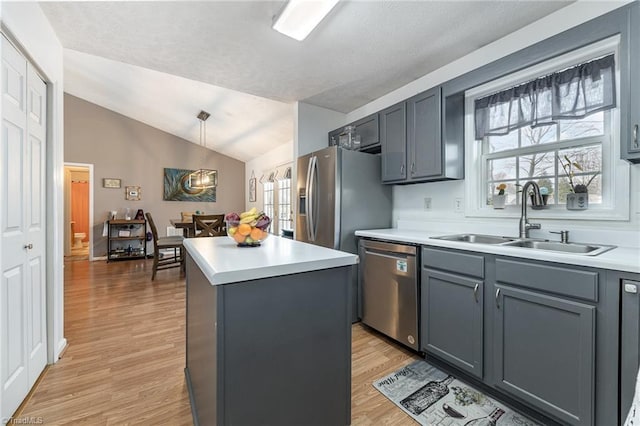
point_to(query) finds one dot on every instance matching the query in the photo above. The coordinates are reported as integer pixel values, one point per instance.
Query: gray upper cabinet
(334, 136)
(544, 352)
(451, 319)
(430, 154)
(367, 128)
(424, 135)
(369, 132)
(631, 150)
(393, 138)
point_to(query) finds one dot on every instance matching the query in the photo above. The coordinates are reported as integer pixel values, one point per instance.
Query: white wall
(311, 125)
(263, 165)
(408, 200)
(26, 24)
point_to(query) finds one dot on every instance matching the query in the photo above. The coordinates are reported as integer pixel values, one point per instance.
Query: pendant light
(203, 178)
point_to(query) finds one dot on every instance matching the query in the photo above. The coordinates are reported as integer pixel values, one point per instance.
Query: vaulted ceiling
(162, 62)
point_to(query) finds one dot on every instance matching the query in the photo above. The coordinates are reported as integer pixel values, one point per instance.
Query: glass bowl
(246, 235)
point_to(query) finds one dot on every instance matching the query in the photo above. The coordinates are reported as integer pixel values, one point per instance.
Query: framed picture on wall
(111, 183)
(133, 193)
(252, 188)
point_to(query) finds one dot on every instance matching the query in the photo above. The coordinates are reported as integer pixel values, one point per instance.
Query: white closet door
(22, 236)
(35, 223)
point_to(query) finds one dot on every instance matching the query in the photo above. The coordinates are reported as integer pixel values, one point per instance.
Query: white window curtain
(569, 94)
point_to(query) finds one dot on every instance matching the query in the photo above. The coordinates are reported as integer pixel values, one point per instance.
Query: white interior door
(22, 233)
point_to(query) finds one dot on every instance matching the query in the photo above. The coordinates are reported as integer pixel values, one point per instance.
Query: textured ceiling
(361, 51)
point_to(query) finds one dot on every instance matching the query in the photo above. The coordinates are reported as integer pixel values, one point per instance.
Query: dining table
(188, 228)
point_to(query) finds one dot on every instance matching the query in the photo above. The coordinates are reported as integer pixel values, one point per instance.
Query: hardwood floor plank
(126, 354)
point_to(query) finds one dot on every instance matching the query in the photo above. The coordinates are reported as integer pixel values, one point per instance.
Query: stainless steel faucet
(536, 201)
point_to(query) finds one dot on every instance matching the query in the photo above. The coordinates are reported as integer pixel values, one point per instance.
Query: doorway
(78, 211)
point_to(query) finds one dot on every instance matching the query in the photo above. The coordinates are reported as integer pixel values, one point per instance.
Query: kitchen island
(268, 333)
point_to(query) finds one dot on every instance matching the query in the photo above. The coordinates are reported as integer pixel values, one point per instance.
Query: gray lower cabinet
(393, 138)
(541, 333)
(629, 338)
(544, 352)
(451, 323)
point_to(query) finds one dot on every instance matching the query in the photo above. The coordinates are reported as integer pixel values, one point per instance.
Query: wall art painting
(179, 186)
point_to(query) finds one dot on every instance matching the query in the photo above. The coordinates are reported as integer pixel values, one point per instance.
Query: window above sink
(536, 154)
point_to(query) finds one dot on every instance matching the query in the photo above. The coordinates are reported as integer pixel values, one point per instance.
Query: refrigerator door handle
(307, 201)
(315, 178)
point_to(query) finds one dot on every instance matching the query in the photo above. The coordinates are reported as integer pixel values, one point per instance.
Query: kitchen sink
(475, 238)
(572, 248)
(575, 248)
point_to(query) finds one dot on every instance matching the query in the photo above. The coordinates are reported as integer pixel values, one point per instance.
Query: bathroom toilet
(77, 239)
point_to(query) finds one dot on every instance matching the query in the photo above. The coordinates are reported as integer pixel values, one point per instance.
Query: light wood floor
(125, 358)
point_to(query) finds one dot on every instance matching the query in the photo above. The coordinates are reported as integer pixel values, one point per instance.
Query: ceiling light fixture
(299, 17)
(203, 178)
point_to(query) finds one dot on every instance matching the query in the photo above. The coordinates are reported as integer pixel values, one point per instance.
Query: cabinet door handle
(413, 168)
(475, 292)
(498, 298)
(402, 169)
(635, 136)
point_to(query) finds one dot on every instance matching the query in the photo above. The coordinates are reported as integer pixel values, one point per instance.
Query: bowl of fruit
(249, 228)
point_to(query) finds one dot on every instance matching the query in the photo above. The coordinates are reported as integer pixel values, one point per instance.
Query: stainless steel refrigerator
(340, 191)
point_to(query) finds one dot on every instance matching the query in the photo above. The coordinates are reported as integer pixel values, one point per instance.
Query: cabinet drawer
(553, 279)
(461, 263)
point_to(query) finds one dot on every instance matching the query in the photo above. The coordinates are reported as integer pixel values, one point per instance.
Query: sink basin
(475, 238)
(574, 248)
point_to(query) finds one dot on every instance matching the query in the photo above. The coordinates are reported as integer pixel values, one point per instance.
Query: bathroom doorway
(78, 211)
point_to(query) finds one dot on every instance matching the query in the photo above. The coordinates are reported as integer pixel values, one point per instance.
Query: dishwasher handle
(381, 246)
(388, 255)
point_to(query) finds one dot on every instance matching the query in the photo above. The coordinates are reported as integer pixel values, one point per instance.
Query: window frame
(284, 191)
(615, 172)
(265, 206)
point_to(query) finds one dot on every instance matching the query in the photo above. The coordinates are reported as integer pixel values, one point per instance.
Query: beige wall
(122, 148)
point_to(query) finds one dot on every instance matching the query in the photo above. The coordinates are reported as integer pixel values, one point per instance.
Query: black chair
(175, 243)
(209, 225)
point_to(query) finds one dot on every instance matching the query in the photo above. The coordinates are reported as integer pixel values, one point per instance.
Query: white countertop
(625, 259)
(223, 262)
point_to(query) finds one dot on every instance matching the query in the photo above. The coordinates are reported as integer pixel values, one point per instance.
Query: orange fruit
(244, 229)
(239, 238)
(256, 234)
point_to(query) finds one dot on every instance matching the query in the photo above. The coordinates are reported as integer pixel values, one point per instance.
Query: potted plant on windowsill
(500, 199)
(578, 198)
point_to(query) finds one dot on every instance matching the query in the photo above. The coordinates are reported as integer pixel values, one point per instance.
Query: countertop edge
(227, 277)
(610, 260)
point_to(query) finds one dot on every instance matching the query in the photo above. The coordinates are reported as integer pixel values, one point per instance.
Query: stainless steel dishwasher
(389, 289)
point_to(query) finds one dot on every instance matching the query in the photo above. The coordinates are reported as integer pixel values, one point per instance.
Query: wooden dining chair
(173, 243)
(209, 225)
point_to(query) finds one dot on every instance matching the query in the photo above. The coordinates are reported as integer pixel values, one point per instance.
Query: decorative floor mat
(433, 397)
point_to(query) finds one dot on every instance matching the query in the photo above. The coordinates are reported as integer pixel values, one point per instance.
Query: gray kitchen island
(268, 333)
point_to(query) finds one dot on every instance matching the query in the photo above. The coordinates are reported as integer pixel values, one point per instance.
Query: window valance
(572, 93)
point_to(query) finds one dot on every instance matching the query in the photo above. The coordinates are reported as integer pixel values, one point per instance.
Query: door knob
(28, 246)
